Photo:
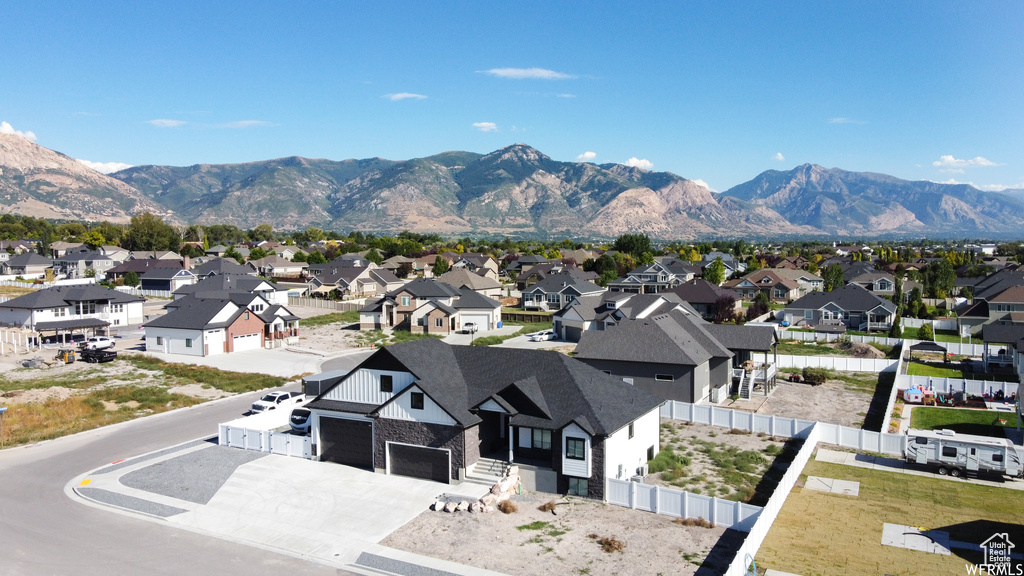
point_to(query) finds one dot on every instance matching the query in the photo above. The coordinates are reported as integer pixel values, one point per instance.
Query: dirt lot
(715, 461)
(835, 401)
(534, 543)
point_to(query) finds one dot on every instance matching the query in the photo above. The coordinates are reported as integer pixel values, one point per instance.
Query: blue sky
(715, 91)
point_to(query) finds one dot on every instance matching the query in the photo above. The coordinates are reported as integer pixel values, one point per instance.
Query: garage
(348, 442)
(482, 321)
(573, 333)
(419, 462)
(246, 342)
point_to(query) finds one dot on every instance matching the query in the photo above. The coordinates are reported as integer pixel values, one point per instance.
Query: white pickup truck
(275, 400)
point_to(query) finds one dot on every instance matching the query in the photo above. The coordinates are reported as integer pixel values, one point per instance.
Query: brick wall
(242, 325)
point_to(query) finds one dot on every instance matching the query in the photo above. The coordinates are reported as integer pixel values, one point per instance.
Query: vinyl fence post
(672, 409)
(732, 419)
(771, 425)
(656, 504)
(686, 504)
(632, 495)
(714, 509)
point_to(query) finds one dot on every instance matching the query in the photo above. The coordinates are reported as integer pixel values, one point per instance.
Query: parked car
(97, 343)
(275, 400)
(470, 327)
(544, 335)
(300, 420)
(96, 356)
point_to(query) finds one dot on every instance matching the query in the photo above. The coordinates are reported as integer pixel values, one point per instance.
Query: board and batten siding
(363, 386)
(401, 409)
(627, 454)
(173, 341)
(492, 406)
(570, 466)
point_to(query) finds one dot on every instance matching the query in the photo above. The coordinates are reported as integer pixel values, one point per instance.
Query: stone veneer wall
(418, 434)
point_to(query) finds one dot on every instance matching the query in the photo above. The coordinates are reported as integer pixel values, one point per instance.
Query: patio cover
(76, 324)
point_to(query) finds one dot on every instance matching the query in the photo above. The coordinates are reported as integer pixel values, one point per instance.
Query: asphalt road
(43, 531)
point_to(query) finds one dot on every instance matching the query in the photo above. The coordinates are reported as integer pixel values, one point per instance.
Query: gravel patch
(144, 457)
(392, 566)
(194, 477)
(129, 502)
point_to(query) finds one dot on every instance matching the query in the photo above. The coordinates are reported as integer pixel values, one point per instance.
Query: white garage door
(246, 342)
(482, 320)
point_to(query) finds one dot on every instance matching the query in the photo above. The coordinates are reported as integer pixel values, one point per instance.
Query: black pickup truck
(96, 356)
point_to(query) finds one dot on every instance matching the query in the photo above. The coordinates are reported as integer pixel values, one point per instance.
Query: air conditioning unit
(643, 470)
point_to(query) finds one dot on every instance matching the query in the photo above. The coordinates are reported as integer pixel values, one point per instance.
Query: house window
(541, 439)
(439, 322)
(188, 342)
(405, 300)
(553, 298)
(779, 293)
(85, 308)
(416, 400)
(650, 453)
(117, 308)
(949, 451)
(664, 377)
(386, 383)
(630, 429)
(578, 487)
(569, 298)
(809, 314)
(575, 448)
(246, 314)
(60, 311)
(159, 340)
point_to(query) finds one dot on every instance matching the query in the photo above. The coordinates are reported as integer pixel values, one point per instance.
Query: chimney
(187, 263)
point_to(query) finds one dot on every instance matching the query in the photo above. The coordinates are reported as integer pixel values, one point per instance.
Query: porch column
(510, 443)
(765, 372)
(985, 355)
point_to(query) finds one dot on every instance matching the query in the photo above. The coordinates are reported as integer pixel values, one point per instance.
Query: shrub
(507, 507)
(925, 332)
(700, 521)
(609, 545)
(815, 375)
(548, 506)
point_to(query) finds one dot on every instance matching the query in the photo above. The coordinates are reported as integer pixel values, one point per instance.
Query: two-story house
(769, 282)
(82, 264)
(431, 307)
(848, 308)
(64, 309)
(430, 410)
(556, 291)
(652, 278)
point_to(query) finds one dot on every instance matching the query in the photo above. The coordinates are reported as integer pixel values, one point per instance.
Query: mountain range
(516, 191)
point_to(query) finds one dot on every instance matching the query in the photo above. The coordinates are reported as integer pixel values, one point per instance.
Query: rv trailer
(955, 453)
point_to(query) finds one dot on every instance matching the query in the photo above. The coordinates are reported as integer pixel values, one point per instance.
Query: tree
(150, 232)
(833, 277)
(232, 253)
(715, 272)
(404, 270)
(635, 244)
(925, 332)
(440, 266)
(647, 258)
(131, 279)
(257, 253)
(373, 256)
(316, 257)
(313, 234)
(93, 239)
(724, 309)
(760, 306)
(896, 331)
(261, 232)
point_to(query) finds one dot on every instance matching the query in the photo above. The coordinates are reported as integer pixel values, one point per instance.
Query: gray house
(557, 291)
(850, 307)
(671, 355)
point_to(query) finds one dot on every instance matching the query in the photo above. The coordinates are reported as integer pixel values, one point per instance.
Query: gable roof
(222, 266)
(196, 314)
(852, 298)
(560, 282)
(700, 291)
(226, 282)
(58, 296)
(426, 288)
(548, 390)
(674, 338)
(460, 277)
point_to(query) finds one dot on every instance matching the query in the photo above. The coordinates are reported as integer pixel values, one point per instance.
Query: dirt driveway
(834, 401)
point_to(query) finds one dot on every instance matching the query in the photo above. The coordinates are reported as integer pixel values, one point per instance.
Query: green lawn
(821, 533)
(939, 370)
(525, 328)
(963, 420)
(807, 349)
(940, 335)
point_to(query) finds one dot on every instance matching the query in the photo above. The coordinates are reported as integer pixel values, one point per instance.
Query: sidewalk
(328, 513)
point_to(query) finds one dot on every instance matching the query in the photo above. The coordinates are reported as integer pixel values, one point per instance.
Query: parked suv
(275, 400)
(97, 343)
(469, 328)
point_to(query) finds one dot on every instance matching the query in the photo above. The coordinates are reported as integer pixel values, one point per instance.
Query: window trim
(578, 486)
(390, 380)
(573, 453)
(188, 342)
(416, 398)
(545, 439)
(631, 430)
(664, 378)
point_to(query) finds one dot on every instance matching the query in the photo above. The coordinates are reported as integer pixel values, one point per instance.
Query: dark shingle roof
(468, 299)
(700, 291)
(222, 266)
(1002, 333)
(195, 314)
(426, 288)
(850, 298)
(63, 295)
(29, 259)
(736, 337)
(671, 339)
(549, 390)
(559, 282)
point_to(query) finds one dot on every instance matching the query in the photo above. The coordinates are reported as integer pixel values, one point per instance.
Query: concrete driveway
(288, 362)
(467, 339)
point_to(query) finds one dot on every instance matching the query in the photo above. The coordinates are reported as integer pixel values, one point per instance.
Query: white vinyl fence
(811, 432)
(667, 502)
(324, 303)
(841, 363)
(954, 385)
(964, 349)
(936, 324)
(283, 443)
(136, 291)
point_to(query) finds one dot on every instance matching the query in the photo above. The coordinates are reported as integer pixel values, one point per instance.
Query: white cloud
(948, 161)
(404, 96)
(587, 156)
(245, 124)
(166, 123)
(6, 128)
(700, 182)
(485, 126)
(778, 156)
(105, 167)
(842, 120)
(527, 73)
(640, 163)
(566, 95)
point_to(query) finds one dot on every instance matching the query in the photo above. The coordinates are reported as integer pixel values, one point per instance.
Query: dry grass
(548, 506)
(700, 522)
(820, 533)
(609, 545)
(507, 507)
